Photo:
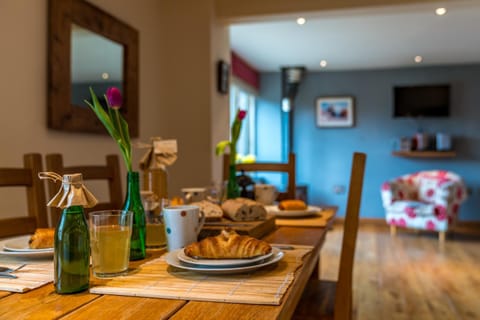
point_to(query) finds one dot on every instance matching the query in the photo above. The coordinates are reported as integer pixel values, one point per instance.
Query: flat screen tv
(421, 101)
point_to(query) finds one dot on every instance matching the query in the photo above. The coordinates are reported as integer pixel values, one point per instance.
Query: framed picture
(334, 111)
(223, 72)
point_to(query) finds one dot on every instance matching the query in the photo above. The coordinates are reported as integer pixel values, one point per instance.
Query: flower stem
(125, 149)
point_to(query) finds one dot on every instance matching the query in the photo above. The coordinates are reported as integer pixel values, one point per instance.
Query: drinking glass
(155, 237)
(110, 232)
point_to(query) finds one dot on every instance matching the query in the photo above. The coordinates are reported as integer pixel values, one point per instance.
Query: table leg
(393, 230)
(317, 272)
(441, 237)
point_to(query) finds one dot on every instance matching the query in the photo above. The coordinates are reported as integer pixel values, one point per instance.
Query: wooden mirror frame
(61, 113)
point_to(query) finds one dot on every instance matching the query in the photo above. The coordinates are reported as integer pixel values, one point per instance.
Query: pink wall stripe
(242, 70)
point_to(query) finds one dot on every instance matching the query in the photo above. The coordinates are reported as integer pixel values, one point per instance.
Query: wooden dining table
(45, 303)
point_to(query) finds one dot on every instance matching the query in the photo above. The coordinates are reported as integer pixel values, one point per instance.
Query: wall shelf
(425, 154)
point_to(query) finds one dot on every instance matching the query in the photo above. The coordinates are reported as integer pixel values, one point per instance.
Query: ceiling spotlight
(418, 59)
(105, 76)
(323, 63)
(301, 21)
(440, 11)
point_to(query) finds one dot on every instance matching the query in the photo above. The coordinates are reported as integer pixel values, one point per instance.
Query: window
(244, 99)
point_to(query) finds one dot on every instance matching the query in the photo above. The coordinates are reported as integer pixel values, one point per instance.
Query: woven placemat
(159, 280)
(317, 220)
(29, 277)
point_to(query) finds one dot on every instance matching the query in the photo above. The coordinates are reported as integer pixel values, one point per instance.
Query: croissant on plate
(227, 245)
(292, 205)
(42, 238)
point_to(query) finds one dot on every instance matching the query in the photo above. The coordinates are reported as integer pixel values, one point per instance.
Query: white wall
(163, 111)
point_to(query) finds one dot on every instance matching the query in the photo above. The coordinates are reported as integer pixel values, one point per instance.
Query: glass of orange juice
(110, 233)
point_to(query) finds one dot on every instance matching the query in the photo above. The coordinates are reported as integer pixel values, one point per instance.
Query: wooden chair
(333, 299)
(288, 168)
(109, 172)
(26, 176)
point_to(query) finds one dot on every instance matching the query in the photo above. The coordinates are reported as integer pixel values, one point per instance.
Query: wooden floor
(410, 276)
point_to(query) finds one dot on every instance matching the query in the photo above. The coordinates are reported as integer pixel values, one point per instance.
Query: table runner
(29, 277)
(318, 220)
(159, 280)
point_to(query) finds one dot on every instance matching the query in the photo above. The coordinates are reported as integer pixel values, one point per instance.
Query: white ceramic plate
(311, 210)
(18, 247)
(221, 263)
(21, 244)
(172, 259)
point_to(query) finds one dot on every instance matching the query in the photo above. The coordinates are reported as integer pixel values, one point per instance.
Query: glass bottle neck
(133, 181)
(73, 210)
(133, 186)
(133, 175)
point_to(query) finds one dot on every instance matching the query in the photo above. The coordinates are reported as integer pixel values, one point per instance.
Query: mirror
(95, 61)
(88, 47)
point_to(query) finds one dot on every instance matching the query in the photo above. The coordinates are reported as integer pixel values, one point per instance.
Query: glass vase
(133, 203)
(233, 190)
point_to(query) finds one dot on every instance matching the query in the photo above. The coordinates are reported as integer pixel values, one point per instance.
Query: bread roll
(292, 205)
(42, 238)
(211, 210)
(228, 245)
(243, 209)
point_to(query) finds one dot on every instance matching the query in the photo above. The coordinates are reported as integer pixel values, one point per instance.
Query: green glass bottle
(233, 190)
(72, 251)
(133, 202)
(71, 256)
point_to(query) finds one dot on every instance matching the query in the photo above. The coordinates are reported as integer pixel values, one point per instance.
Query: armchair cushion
(423, 200)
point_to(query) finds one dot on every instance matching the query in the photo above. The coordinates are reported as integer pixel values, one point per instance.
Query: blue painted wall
(324, 154)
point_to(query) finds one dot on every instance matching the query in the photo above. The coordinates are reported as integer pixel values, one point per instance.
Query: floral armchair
(427, 200)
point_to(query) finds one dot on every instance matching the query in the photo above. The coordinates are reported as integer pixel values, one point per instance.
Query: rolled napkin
(228, 245)
(243, 209)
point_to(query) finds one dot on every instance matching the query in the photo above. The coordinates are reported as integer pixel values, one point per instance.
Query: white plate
(223, 262)
(19, 242)
(311, 210)
(172, 259)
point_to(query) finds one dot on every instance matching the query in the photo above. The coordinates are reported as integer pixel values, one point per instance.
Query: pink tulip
(242, 114)
(114, 97)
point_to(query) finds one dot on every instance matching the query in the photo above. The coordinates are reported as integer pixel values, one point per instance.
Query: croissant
(42, 238)
(292, 205)
(227, 245)
(176, 201)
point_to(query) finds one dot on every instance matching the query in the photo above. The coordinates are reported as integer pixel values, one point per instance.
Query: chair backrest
(26, 176)
(288, 168)
(343, 295)
(110, 172)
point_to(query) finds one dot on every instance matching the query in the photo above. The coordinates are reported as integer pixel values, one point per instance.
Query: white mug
(182, 225)
(194, 194)
(265, 193)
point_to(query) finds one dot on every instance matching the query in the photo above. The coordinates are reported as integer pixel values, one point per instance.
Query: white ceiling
(363, 39)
